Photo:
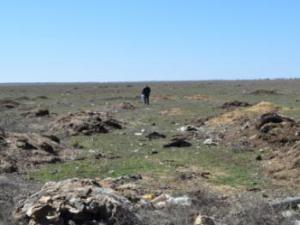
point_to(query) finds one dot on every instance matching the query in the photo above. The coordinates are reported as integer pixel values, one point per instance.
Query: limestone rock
(75, 201)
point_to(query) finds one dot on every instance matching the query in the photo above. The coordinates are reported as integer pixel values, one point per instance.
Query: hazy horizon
(151, 81)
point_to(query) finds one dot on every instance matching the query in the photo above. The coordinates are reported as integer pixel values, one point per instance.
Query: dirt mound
(239, 114)
(86, 123)
(235, 104)
(260, 127)
(256, 130)
(8, 104)
(282, 134)
(284, 165)
(76, 202)
(155, 135)
(263, 107)
(264, 92)
(268, 129)
(275, 128)
(22, 151)
(124, 106)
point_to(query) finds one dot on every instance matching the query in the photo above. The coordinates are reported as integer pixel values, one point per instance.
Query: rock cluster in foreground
(75, 202)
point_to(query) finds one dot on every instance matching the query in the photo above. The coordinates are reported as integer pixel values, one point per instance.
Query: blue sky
(127, 40)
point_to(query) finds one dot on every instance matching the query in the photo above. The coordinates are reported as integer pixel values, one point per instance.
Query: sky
(142, 40)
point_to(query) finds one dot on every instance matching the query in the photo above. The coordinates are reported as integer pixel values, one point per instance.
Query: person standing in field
(146, 94)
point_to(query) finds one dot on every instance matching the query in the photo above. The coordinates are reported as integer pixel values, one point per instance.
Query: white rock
(183, 201)
(204, 220)
(209, 141)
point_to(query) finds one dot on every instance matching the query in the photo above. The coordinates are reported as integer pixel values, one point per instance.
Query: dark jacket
(146, 91)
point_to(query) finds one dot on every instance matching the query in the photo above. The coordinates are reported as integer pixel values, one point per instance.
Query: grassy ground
(173, 105)
(134, 155)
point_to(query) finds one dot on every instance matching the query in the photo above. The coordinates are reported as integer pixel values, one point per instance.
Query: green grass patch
(227, 167)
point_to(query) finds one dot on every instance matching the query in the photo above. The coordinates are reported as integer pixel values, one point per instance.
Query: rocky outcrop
(75, 202)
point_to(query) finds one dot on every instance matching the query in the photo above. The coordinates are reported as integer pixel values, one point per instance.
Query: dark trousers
(146, 100)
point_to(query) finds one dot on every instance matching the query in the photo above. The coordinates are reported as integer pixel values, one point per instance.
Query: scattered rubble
(76, 202)
(86, 123)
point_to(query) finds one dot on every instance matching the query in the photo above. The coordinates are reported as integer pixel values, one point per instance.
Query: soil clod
(179, 143)
(155, 135)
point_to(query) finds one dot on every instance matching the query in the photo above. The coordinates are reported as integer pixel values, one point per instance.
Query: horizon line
(145, 81)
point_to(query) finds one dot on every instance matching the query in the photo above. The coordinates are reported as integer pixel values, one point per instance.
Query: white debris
(182, 129)
(209, 141)
(165, 200)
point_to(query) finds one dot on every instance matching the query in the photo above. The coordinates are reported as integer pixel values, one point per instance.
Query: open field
(219, 167)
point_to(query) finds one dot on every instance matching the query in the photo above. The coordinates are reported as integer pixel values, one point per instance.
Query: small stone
(209, 141)
(259, 158)
(204, 220)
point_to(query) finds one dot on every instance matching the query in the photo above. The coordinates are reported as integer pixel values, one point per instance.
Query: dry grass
(238, 114)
